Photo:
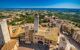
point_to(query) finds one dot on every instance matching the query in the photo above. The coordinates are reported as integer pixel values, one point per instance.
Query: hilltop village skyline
(22, 29)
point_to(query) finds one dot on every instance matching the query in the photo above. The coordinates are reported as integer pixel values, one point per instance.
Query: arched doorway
(40, 42)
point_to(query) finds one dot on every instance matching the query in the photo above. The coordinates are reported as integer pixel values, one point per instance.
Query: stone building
(46, 36)
(4, 33)
(41, 35)
(5, 39)
(76, 35)
(62, 44)
(29, 33)
(71, 30)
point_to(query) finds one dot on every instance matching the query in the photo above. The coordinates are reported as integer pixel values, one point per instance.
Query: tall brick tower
(36, 22)
(4, 33)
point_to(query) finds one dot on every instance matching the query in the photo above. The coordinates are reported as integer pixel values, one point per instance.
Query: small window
(45, 42)
(50, 41)
(35, 37)
(57, 43)
(41, 38)
(38, 38)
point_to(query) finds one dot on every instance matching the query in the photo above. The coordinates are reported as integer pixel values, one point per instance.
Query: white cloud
(64, 5)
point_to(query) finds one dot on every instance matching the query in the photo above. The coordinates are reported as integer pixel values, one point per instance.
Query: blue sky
(39, 3)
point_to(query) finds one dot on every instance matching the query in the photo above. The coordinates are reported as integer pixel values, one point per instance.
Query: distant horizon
(39, 8)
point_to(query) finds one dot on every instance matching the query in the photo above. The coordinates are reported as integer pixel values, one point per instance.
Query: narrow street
(72, 41)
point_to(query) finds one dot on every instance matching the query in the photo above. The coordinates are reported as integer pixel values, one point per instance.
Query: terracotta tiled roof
(23, 48)
(9, 45)
(17, 31)
(51, 35)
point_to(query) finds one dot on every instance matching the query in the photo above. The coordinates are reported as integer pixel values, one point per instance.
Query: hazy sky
(39, 3)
